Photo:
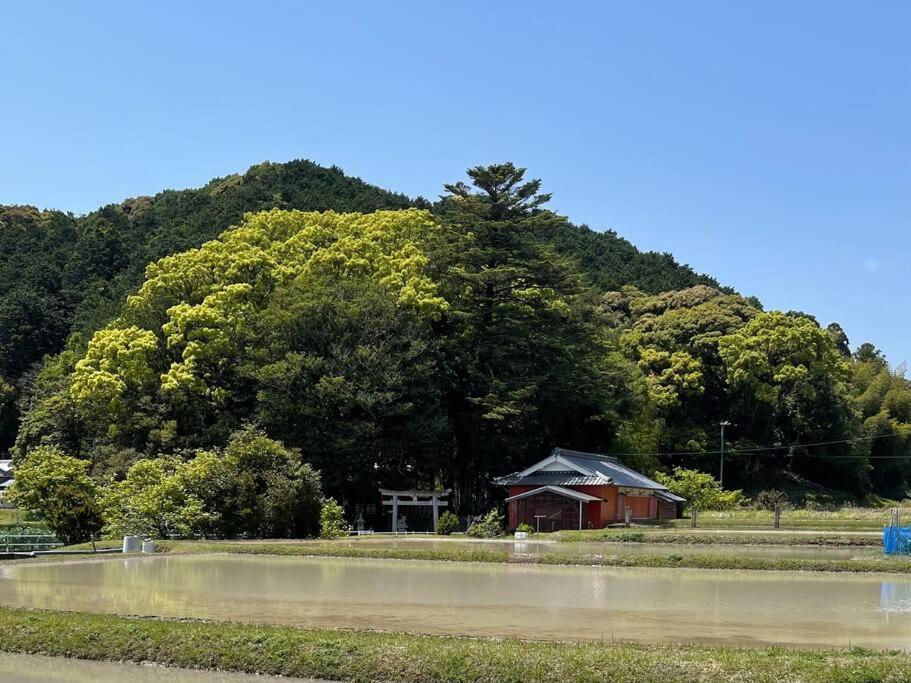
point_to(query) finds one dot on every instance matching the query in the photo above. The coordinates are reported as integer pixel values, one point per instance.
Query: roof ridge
(585, 454)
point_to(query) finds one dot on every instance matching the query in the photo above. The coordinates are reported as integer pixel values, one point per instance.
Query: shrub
(525, 528)
(700, 489)
(488, 526)
(261, 488)
(332, 520)
(768, 499)
(447, 524)
(155, 499)
(57, 488)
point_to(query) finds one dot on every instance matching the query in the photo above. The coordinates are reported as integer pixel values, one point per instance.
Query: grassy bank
(618, 559)
(370, 656)
(888, 565)
(331, 549)
(842, 519)
(690, 537)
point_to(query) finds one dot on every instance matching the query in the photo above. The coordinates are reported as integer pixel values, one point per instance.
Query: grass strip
(331, 549)
(706, 561)
(696, 538)
(887, 565)
(372, 656)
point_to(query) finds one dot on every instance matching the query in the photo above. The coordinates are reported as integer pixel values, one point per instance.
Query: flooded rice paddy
(16, 668)
(509, 600)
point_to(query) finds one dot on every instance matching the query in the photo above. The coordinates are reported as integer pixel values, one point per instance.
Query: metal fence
(23, 543)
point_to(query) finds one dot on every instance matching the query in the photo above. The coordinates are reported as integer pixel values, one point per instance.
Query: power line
(783, 448)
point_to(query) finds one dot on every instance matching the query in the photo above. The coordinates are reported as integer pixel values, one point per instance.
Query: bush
(332, 520)
(261, 488)
(700, 489)
(254, 487)
(447, 524)
(155, 499)
(58, 489)
(768, 499)
(489, 526)
(525, 528)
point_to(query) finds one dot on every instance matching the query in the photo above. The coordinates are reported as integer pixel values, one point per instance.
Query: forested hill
(401, 343)
(60, 273)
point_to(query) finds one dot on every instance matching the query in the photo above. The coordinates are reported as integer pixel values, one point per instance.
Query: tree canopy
(388, 341)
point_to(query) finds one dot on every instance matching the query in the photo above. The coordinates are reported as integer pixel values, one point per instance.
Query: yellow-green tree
(167, 372)
(57, 488)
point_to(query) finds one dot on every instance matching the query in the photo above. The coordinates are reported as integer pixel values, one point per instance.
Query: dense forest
(402, 342)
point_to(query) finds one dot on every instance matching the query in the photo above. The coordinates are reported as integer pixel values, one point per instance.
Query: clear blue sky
(768, 144)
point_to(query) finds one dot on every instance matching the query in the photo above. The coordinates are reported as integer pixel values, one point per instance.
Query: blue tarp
(897, 540)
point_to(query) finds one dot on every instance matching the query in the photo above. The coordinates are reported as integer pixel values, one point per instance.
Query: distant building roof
(564, 467)
(568, 478)
(560, 491)
(669, 497)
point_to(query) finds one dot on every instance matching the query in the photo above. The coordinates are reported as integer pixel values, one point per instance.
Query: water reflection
(485, 599)
(895, 597)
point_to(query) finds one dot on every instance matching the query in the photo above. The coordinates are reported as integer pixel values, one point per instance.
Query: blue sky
(768, 144)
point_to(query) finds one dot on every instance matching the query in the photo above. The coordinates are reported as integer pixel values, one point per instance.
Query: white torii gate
(415, 498)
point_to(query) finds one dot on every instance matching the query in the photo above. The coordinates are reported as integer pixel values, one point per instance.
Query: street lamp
(724, 424)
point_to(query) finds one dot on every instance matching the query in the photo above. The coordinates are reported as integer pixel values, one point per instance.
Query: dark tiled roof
(595, 469)
(610, 467)
(550, 479)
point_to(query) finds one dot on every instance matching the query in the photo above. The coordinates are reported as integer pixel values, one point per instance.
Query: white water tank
(148, 546)
(130, 544)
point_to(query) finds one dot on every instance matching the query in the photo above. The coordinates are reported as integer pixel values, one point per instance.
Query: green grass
(331, 549)
(371, 656)
(842, 519)
(713, 537)
(861, 565)
(897, 565)
(16, 517)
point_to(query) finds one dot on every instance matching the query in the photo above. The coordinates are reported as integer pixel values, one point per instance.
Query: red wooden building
(575, 490)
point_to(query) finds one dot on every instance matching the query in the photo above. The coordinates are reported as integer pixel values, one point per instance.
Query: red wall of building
(600, 513)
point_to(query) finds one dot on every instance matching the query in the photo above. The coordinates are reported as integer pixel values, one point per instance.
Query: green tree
(790, 386)
(349, 374)
(524, 366)
(332, 520)
(183, 365)
(673, 337)
(57, 488)
(700, 490)
(883, 397)
(9, 414)
(257, 487)
(155, 499)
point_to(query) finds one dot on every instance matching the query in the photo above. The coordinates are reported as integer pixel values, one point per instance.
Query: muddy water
(796, 608)
(599, 548)
(16, 668)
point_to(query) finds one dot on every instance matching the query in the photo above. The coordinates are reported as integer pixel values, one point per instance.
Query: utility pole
(724, 424)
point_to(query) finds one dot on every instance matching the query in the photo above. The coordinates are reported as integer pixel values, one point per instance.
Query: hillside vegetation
(402, 343)
(61, 274)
